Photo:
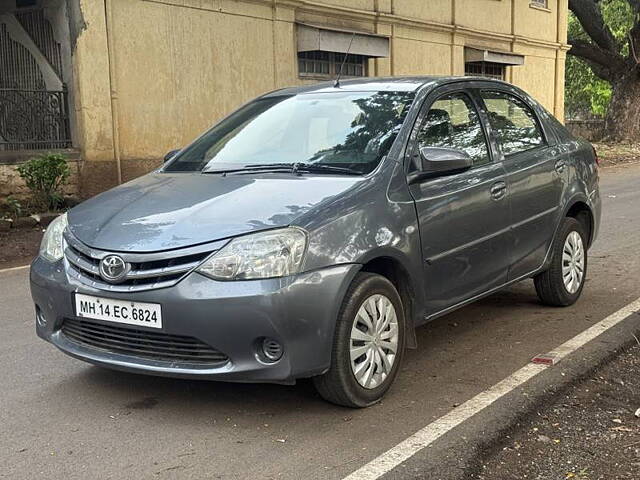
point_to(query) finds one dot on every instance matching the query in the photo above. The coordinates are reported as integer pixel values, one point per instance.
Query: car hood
(163, 211)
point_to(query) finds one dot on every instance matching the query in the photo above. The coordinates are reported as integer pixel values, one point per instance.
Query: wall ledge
(15, 157)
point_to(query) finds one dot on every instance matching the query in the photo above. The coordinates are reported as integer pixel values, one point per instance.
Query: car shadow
(437, 343)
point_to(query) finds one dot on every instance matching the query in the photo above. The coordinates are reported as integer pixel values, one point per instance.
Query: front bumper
(298, 311)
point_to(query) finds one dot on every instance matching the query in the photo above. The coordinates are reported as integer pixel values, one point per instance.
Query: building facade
(117, 83)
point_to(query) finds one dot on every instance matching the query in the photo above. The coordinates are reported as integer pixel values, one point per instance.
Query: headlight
(51, 246)
(276, 253)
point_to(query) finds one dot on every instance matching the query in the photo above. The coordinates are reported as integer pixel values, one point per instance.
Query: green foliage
(44, 176)
(585, 93)
(599, 93)
(619, 17)
(13, 207)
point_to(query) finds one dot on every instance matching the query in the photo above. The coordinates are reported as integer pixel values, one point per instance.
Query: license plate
(119, 311)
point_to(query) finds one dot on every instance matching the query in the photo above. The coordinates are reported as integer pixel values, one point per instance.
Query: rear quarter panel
(584, 181)
(582, 176)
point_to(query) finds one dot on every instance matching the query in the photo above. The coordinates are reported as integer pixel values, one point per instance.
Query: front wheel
(368, 344)
(562, 284)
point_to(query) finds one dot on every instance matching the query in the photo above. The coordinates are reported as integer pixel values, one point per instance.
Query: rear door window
(514, 123)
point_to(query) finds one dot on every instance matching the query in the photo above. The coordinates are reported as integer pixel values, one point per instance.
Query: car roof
(379, 84)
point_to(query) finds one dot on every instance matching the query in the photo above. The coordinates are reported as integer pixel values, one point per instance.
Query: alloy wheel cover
(373, 345)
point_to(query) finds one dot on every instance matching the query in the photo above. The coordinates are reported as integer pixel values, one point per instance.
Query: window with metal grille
(26, 3)
(540, 3)
(484, 69)
(327, 64)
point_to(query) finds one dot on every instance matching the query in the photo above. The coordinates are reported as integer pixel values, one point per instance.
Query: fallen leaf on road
(622, 429)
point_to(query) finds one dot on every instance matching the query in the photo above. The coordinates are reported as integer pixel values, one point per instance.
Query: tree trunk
(623, 117)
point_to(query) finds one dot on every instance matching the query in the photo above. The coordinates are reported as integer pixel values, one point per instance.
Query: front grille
(142, 343)
(147, 271)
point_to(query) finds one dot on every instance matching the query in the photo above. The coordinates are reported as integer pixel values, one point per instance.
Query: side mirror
(437, 161)
(170, 155)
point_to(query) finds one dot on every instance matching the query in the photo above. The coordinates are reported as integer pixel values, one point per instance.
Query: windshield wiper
(264, 167)
(294, 168)
(322, 168)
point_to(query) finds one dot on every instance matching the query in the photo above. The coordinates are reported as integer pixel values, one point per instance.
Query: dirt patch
(18, 246)
(146, 403)
(618, 154)
(588, 432)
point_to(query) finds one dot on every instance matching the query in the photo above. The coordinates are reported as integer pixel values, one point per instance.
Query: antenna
(337, 82)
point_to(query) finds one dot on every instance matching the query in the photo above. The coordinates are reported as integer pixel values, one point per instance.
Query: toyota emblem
(113, 268)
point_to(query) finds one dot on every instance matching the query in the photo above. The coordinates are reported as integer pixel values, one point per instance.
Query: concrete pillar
(93, 101)
(563, 12)
(285, 51)
(457, 55)
(558, 108)
(384, 66)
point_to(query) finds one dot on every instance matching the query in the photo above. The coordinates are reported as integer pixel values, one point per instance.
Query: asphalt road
(61, 418)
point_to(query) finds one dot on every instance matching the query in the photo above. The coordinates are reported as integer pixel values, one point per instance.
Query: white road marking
(13, 269)
(429, 434)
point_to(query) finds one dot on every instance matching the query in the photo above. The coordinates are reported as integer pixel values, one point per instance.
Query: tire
(339, 384)
(550, 285)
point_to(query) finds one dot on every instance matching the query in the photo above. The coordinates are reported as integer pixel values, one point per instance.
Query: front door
(536, 178)
(463, 217)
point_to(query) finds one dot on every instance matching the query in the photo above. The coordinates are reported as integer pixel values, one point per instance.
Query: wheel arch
(582, 212)
(393, 269)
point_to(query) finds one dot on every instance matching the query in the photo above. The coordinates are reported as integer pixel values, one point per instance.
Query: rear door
(463, 217)
(536, 175)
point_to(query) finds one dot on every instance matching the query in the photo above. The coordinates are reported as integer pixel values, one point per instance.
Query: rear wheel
(562, 284)
(368, 344)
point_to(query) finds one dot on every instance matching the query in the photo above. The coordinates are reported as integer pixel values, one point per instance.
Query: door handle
(560, 166)
(498, 190)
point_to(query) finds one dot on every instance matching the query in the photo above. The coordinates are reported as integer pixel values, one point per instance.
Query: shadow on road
(441, 343)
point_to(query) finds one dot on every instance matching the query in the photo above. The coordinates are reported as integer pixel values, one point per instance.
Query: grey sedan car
(310, 232)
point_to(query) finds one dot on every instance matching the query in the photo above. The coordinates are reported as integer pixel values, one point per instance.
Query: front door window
(452, 122)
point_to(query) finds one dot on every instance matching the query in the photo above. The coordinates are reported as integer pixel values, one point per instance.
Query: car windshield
(351, 130)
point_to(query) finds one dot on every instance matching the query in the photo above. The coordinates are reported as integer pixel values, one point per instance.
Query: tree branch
(590, 17)
(603, 64)
(634, 34)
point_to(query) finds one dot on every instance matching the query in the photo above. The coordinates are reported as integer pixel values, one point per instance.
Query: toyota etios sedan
(310, 232)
